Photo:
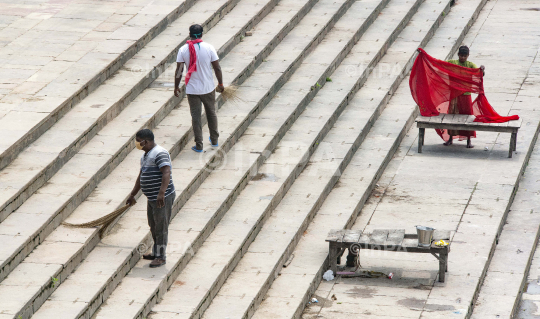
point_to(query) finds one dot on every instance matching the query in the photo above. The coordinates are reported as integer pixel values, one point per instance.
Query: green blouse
(467, 64)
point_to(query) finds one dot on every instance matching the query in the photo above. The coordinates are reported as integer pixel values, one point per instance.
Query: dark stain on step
(364, 292)
(265, 177)
(527, 309)
(532, 288)
(415, 303)
(422, 287)
(439, 307)
(412, 303)
(324, 302)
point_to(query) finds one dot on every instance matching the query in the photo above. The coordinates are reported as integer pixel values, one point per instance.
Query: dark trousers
(158, 220)
(209, 102)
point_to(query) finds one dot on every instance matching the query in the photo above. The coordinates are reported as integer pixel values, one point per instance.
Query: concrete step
(473, 202)
(248, 283)
(63, 83)
(74, 126)
(506, 278)
(247, 215)
(294, 287)
(527, 301)
(265, 40)
(115, 187)
(512, 270)
(104, 152)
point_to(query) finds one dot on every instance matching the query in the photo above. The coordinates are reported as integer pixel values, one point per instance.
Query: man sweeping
(200, 57)
(156, 183)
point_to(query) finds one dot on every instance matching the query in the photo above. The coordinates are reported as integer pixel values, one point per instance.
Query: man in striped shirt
(156, 183)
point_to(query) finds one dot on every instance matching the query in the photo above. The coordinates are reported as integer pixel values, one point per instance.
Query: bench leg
(421, 139)
(443, 265)
(512, 144)
(333, 254)
(341, 251)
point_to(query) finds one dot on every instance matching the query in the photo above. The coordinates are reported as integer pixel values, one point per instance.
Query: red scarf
(192, 58)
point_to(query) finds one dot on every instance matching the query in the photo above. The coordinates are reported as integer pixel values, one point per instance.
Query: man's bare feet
(449, 142)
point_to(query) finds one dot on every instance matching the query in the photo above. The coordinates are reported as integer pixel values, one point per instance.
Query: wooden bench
(466, 123)
(386, 239)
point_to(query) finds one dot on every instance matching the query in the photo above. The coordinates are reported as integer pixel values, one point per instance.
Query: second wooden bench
(466, 123)
(386, 239)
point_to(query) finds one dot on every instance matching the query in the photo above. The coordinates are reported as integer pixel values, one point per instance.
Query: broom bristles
(105, 220)
(230, 94)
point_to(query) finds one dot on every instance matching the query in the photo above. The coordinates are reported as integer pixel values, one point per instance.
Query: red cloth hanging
(462, 104)
(434, 83)
(192, 58)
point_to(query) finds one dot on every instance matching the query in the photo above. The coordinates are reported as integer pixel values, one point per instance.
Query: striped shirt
(151, 175)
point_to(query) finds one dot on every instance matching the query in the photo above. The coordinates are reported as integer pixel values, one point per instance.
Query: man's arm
(131, 200)
(165, 179)
(178, 77)
(219, 76)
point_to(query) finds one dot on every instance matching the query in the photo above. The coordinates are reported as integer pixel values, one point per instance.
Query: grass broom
(104, 221)
(230, 94)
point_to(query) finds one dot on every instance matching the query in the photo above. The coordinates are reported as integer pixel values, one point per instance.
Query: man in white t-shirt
(199, 83)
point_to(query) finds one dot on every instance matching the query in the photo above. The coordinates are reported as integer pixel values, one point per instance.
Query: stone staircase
(296, 283)
(105, 145)
(349, 147)
(248, 213)
(509, 289)
(86, 119)
(496, 233)
(139, 42)
(106, 151)
(512, 276)
(326, 107)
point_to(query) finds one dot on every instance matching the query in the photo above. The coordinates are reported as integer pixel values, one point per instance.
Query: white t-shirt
(202, 80)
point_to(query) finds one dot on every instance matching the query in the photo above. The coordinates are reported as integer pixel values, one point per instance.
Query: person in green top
(463, 103)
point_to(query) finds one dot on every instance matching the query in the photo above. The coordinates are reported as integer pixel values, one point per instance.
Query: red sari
(459, 105)
(435, 83)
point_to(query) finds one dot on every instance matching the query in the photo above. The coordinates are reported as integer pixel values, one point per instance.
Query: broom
(104, 221)
(229, 94)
